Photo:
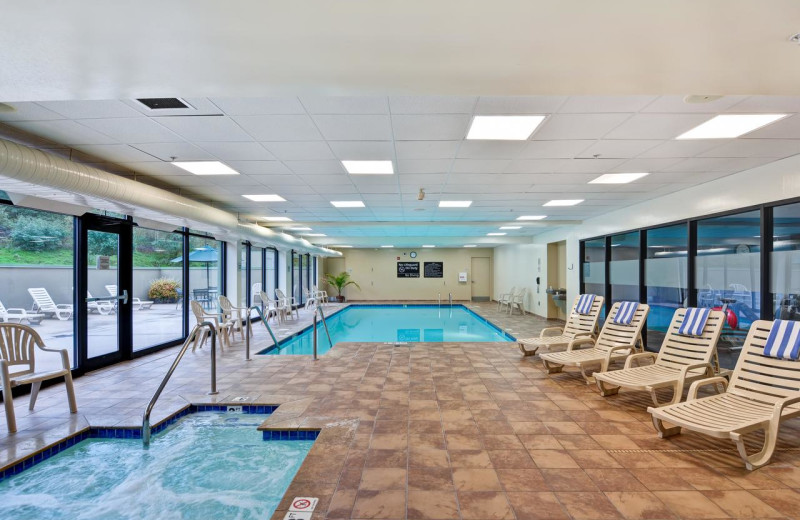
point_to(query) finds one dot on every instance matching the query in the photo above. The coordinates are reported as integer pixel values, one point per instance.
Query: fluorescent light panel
(532, 217)
(727, 126)
(495, 234)
(314, 235)
(428, 245)
(510, 227)
(455, 203)
(564, 202)
(206, 167)
(341, 247)
(618, 178)
(265, 198)
(386, 247)
(469, 245)
(299, 229)
(276, 219)
(503, 128)
(348, 203)
(368, 167)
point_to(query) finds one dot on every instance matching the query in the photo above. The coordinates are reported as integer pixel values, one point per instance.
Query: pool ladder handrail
(260, 312)
(318, 309)
(212, 329)
(451, 300)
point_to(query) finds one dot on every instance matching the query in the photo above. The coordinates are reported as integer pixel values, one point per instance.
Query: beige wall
(375, 270)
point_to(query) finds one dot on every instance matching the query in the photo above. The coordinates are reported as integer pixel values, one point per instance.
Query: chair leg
(73, 404)
(761, 458)
(526, 352)
(34, 393)
(605, 389)
(8, 401)
(589, 379)
(663, 431)
(553, 368)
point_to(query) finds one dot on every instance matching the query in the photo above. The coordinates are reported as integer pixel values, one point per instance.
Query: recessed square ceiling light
(347, 203)
(206, 167)
(455, 203)
(265, 198)
(506, 128)
(495, 234)
(510, 227)
(340, 247)
(618, 178)
(730, 125)
(469, 245)
(276, 219)
(564, 202)
(428, 245)
(368, 167)
(299, 229)
(387, 246)
(314, 235)
(532, 217)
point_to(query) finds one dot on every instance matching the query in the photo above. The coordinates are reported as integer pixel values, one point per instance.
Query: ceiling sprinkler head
(700, 98)
(795, 38)
(421, 195)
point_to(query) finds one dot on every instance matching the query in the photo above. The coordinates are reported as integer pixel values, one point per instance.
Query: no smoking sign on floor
(301, 508)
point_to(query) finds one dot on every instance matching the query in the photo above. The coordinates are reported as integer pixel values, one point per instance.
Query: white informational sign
(296, 515)
(462, 277)
(302, 504)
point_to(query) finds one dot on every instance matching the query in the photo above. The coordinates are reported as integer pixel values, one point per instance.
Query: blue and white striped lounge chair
(579, 325)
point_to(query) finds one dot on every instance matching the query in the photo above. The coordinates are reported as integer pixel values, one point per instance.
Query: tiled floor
(449, 431)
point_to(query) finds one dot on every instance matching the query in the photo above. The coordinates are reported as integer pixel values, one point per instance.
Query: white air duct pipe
(33, 172)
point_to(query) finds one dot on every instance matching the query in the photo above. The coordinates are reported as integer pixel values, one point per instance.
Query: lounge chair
(236, 315)
(763, 392)
(615, 342)
(42, 302)
(577, 326)
(681, 360)
(222, 327)
(100, 307)
(505, 298)
(17, 344)
(138, 305)
(18, 314)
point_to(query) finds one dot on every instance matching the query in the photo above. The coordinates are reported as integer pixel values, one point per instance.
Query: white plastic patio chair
(42, 302)
(517, 301)
(311, 300)
(288, 305)
(505, 298)
(102, 307)
(321, 296)
(138, 305)
(255, 294)
(18, 314)
(236, 315)
(17, 344)
(271, 309)
(222, 327)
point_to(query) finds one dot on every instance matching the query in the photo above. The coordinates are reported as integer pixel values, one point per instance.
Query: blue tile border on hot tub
(92, 432)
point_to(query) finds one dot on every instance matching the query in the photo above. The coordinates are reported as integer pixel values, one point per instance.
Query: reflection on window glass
(666, 278)
(624, 267)
(728, 268)
(271, 271)
(594, 269)
(256, 275)
(296, 277)
(36, 251)
(241, 276)
(204, 271)
(785, 258)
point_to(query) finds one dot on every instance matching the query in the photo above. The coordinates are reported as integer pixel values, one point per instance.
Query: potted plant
(340, 281)
(164, 290)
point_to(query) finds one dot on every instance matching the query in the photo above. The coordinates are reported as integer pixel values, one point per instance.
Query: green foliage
(102, 243)
(340, 281)
(34, 234)
(163, 290)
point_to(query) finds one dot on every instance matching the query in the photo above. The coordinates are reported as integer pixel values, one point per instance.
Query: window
(296, 279)
(256, 274)
(205, 272)
(157, 278)
(624, 268)
(665, 277)
(594, 268)
(241, 275)
(727, 275)
(785, 260)
(37, 251)
(271, 265)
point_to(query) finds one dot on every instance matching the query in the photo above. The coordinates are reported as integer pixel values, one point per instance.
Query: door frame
(472, 278)
(123, 228)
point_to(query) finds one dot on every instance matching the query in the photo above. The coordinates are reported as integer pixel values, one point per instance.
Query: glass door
(104, 286)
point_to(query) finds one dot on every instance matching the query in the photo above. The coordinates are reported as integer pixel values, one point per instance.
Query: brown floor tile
(432, 479)
(529, 427)
(511, 459)
(568, 480)
(577, 442)
(424, 427)
(484, 505)
(564, 428)
(614, 442)
(386, 459)
(470, 479)
(742, 504)
(552, 459)
(690, 504)
(522, 480)
(594, 459)
(456, 441)
(786, 501)
(379, 479)
(427, 458)
(426, 440)
(502, 442)
(661, 480)
(707, 479)
(540, 442)
(341, 506)
(536, 506)
(380, 504)
(588, 506)
(432, 505)
(639, 506)
(615, 480)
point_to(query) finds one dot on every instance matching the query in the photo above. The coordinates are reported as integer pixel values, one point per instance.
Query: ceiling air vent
(163, 103)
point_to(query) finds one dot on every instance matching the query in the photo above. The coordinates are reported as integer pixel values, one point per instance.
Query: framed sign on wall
(408, 269)
(434, 269)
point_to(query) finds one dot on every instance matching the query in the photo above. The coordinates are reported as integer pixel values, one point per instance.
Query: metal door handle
(123, 297)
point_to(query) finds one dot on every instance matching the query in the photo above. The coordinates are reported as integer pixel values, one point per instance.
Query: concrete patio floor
(444, 431)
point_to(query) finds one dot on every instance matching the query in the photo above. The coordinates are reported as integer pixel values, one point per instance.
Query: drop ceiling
(293, 147)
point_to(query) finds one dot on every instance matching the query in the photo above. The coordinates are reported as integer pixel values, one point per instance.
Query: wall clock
(413, 254)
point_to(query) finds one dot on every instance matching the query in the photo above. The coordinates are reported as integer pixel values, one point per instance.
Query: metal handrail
(146, 430)
(451, 299)
(250, 329)
(314, 332)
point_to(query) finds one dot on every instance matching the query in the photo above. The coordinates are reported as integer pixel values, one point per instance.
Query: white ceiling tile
(362, 150)
(432, 104)
(778, 148)
(426, 149)
(647, 165)
(259, 167)
(78, 109)
(317, 180)
(282, 181)
(315, 167)
(423, 165)
(279, 127)
(29, 111)
(460, 179)
(518, 104)
(238, 151)
(205, 128)
(589, 165)
(767, 104)
(535, 165)
(562, 178)
(618, 148)
(786, 128)
(603, 104)
(683, 148)
(430, 127)
(116, 152)
(656, 126)
(133, 130)
(422, 179)
(345, 105)
(563, 149)
(490, 149)
(300, 150)
(65, 132)
(479, 165)
(157, 169)
(354, 128)
(578, 126)
(259, 106)
(676, 104)
(701, 164)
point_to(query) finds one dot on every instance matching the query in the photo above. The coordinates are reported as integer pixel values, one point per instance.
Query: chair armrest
(618, 347)
(64, 306)
(641, 355)
(703, 382)
(549, 331)
(777, 411)
(579, 341)
(685, 372)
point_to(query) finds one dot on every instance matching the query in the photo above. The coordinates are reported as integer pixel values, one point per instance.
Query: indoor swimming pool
(207, 465)
(395, 323)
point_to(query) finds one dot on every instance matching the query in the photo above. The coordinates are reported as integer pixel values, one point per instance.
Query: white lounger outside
(138, 305)
(42, 302)
(16, 314)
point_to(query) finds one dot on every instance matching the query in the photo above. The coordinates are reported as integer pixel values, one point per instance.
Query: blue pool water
(395, 323)
(209, 465)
